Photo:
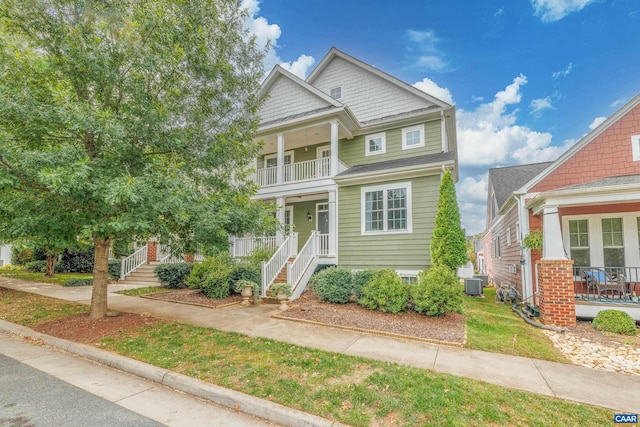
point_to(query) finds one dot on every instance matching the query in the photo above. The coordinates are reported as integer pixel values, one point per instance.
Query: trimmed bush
(245, 270)
(212, 276)
(359, 280)
(77, 261)
(615, 321)
(385, 292)
(114, 269)
(333, 285)
(174, 276)
(259, 255)
(79, 282)
(437, 292)
(36, 266)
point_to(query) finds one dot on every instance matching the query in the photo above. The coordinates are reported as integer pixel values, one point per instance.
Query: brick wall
(152, 252)
(557, 297)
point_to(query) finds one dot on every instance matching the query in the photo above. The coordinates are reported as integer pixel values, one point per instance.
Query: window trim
(406, 130)
(275, 156)
(518, 232)
(508, 236)
(635, 147)
(383, 150)
(335, 89)
(385, 213)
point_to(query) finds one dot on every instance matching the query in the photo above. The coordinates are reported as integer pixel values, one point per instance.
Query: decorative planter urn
(282, 297)
(246, 293)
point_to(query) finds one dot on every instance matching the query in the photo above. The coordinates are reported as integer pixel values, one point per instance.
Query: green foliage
(174, 276)
(333, 284)
(78, 282)
(212, 276)
(385, 292)
(121, 248)
(260, 254)
(448, 243)
(36, 266)
(277, 288)
(359, 280)
(114, 269)
(245, 270)
(20, 254)
(255, 289)
(437, 292)
(614, 321)
(533, 240)
(77, 261)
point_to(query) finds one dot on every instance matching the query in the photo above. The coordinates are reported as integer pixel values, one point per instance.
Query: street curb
(234, 400)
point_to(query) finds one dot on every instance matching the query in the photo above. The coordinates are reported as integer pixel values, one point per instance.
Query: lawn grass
(57, 279)
(349, 389)
(32, 310)
(144, 291)
(492, 327)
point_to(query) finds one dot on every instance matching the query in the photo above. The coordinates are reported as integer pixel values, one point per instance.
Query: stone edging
(234, 400)
(375, 332)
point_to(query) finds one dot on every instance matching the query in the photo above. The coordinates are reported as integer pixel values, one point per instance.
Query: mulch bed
(446, 329)
(195, 297)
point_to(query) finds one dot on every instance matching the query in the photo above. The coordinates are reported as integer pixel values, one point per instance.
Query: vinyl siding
(498, 267)
(287, 98)
(301, 224)
(352, 152)
(397, 251)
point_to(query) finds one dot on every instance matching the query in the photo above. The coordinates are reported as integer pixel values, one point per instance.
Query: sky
(529, 78)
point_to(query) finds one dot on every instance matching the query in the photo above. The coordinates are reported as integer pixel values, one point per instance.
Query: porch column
(152, 251)
(333, 222)
(552, 247)
(280, 160)
(280, 217)
(334, 149)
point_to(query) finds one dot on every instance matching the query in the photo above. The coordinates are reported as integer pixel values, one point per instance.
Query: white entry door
(322, 225)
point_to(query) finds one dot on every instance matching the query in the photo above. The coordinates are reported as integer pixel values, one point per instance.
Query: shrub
(77, 261)
(20, 255)
(245, 270)
(333, 285)
(79, 282)
(359, 280)
(260, 254)
(385, 292)
(36, 266)
(437, 292)
(174, 276)
(114, 269)
(615, 321)
(212, 276)
(39, 254)
(285, 288)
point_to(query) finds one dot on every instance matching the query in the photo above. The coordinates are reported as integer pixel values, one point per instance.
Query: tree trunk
(51, 260)
(100, 278)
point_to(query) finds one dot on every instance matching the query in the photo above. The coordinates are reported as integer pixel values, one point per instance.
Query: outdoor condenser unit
(473, 286)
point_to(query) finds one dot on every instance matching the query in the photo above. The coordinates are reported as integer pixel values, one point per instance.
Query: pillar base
(557, 294)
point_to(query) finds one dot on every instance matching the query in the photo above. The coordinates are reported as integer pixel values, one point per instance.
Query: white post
(280, 159)
(280, 218)
(443, 131)
(552, 247)
(333, 223)
(263, 273)
(334, 148)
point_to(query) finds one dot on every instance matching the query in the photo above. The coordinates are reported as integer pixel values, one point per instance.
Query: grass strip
(57, 279)
(145, 291)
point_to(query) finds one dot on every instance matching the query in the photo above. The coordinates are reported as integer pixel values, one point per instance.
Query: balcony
(295, 172)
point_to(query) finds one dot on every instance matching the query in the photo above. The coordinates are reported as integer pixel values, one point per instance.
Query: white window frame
(508, 236)
(407, 130)
(333, 90)
(518, 232)
(288, 227)
(385, 188)
(635, 147)
(275, 155)
(367, 138)
(409, 276)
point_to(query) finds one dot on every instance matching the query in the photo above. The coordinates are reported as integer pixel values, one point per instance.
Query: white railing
(323, 244)
(166, 256)
(271, 268)
(244, 246)
(296, 172)
(133, 261)
(308, 253)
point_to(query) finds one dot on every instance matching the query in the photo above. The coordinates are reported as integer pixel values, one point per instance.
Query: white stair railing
(308, 253)
(271, 268)
(133, 261)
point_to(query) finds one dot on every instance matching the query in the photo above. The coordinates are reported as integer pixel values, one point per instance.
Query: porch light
(309, 216)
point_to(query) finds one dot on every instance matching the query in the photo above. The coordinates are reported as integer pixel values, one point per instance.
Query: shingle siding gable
(286, 98)
(368, 95)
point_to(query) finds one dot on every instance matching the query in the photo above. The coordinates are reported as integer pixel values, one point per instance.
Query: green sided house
(353, 159)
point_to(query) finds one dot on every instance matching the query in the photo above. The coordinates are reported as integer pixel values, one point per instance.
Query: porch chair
(602, 281)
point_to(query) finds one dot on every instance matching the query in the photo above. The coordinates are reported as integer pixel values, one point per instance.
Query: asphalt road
(29, 397)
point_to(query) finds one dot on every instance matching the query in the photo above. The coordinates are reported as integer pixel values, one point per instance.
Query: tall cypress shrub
(448, 246)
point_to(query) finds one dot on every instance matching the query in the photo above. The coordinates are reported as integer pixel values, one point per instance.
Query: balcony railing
(607, 284)
(296, 172)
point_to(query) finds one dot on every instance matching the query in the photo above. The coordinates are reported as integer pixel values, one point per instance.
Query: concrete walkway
(611, 390)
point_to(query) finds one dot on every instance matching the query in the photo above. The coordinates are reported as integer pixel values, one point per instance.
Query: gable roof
(336, 53)
(506, 180)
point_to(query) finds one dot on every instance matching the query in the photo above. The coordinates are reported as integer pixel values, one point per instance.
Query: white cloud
(429, 86)
(499, 12)
(618, 102)
(423, 51)
(562, 73)
(555, 10)
(537, 106)
(267, 34)
(596, 122)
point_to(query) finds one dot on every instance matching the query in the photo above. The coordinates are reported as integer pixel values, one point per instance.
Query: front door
(322, 225)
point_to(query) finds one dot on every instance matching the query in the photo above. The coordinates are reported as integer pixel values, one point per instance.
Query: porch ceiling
(302, 137)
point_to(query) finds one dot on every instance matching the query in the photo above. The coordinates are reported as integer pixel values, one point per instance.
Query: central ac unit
(473, 287)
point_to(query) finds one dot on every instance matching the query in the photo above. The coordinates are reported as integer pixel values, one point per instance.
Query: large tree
(448, 244)
(135, 118)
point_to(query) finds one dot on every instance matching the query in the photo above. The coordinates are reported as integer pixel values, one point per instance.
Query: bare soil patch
(195, 297)
(585, 330)
(82, 328)
(449, 328)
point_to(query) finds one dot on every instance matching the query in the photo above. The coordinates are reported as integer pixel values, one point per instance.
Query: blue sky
(528, 77)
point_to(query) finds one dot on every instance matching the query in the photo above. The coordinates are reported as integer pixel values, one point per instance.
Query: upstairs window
(375, 144)
(336, 92)
(413, 137)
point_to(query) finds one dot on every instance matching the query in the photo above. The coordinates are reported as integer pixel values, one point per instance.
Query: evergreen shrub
(385, 292)
(174, 276)
(614, 321)
(437, 292)
(333, 284)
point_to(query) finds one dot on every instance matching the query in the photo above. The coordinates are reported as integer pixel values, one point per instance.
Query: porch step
(143, 275)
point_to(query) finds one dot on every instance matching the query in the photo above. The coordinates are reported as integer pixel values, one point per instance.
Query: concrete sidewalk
(564, 381)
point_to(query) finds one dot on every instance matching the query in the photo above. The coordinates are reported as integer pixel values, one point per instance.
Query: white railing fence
(323, 244)
(271, 268)
(296, 172)
(308, 253)
(244, 246)
(133, 261)
(167, 256)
